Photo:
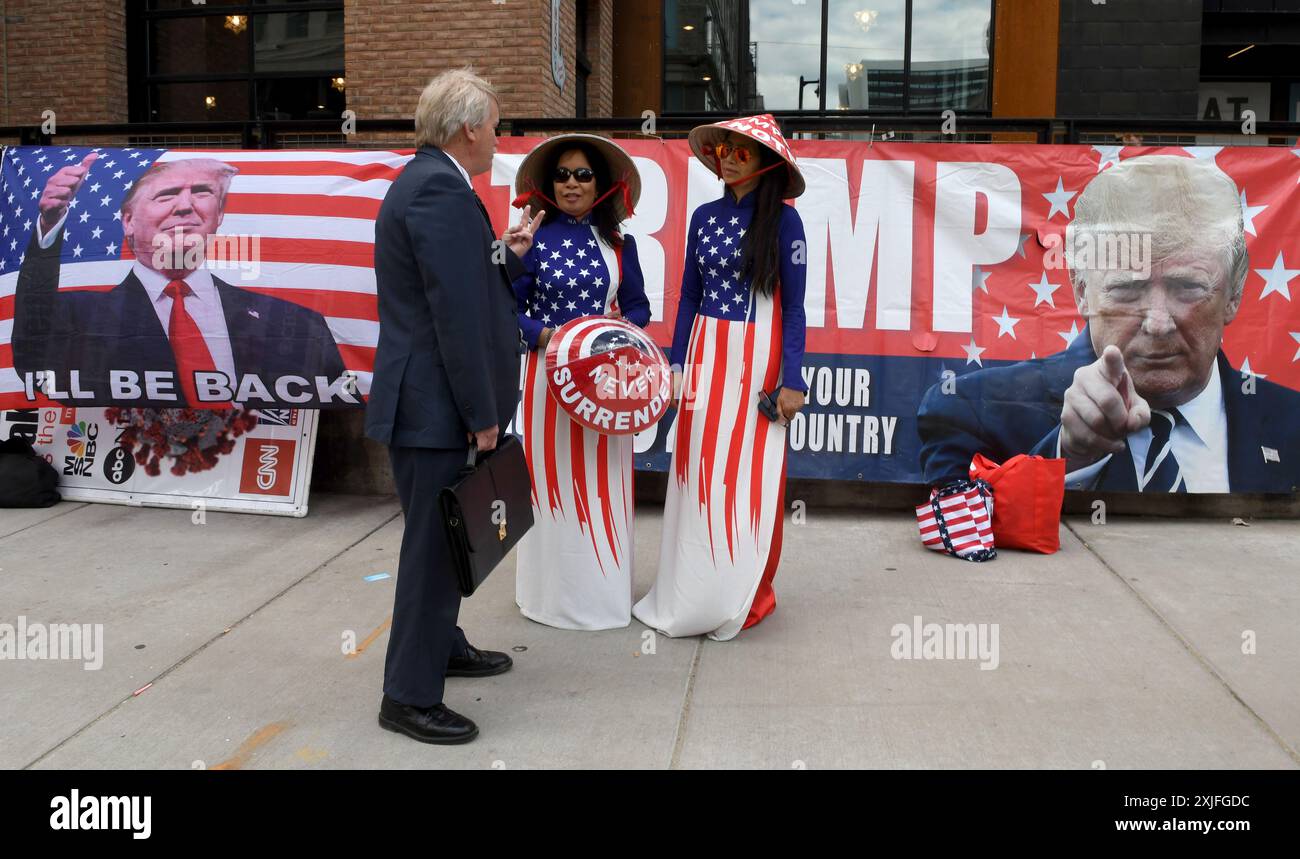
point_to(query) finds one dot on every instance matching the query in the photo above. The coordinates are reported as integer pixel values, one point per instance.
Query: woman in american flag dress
(575, 565)
(739, 335)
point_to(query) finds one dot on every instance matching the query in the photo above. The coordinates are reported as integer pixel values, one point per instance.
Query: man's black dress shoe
(478, 663)
(435, 724)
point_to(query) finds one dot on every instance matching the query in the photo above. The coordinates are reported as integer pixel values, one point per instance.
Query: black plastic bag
(26, 479)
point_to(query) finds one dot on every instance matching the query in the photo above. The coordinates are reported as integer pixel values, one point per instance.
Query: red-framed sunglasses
(722, 150)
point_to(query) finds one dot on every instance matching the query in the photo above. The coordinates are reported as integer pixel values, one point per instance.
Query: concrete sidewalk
(1123, 650)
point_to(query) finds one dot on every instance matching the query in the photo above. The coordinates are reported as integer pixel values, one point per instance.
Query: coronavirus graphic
(194, 438)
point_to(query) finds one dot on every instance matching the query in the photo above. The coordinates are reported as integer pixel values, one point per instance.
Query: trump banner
(1127, 309)
(158, 278)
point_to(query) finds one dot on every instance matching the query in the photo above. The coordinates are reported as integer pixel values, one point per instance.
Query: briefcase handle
(472, 460)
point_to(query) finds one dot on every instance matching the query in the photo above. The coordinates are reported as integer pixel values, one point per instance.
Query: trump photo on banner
(134, 288)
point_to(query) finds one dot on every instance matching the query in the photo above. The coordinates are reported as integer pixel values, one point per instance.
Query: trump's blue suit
(447, 364)
(1004, 411)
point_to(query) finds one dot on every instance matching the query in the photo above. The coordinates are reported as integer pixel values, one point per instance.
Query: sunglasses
(722, 150)
(582, 174)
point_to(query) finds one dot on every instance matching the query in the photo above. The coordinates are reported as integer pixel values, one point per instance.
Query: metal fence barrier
(841, 125)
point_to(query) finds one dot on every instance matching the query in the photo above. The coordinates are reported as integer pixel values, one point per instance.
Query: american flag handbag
(958, 519)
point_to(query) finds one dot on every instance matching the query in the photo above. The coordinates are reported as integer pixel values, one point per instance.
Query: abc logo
(118, 466)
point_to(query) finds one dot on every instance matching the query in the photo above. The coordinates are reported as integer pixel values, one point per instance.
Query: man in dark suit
(1144, 398)
(446, 376)
(170, 315)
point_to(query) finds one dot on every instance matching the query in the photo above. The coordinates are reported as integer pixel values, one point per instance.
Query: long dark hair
(760, 260)
(602, 216)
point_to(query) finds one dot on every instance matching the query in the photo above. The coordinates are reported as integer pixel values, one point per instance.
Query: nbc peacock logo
(77, 438)
(81, 448)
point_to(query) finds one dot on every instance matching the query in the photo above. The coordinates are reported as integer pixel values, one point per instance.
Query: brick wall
(553, 101)
(393, 48)
(1138, 59)
(604, 70)
(82, 79)
(600, 50)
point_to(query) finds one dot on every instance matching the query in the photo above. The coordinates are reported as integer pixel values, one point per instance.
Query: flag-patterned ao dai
(726, 486)
(575, 565)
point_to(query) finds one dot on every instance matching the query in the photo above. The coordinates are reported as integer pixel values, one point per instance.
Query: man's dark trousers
(424, 634)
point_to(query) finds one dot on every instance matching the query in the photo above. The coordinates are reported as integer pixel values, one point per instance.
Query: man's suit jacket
(448, 357)
(96, 332)
(1004, 411)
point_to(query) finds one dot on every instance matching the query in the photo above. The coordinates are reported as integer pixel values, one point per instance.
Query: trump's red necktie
(188, 346)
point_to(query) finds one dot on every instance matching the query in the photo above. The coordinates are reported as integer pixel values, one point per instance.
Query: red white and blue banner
(926, 262)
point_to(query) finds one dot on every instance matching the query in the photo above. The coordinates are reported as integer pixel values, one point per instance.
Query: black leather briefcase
(487, 510)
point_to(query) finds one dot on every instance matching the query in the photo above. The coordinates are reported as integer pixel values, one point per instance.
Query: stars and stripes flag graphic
(958, 520)
(722, 526)
(729, 457)
(572, 278)
(1024, 307)
(93, 231)
(579, 477)
(718, 244)
(313, 213)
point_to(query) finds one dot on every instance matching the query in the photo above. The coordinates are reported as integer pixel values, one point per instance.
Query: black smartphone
(767, 405)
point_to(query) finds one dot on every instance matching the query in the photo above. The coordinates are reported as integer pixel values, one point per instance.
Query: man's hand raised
(60, 189)
(1100, 409)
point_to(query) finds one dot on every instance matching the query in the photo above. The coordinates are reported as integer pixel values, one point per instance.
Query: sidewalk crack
(72, 509)
(679, 737)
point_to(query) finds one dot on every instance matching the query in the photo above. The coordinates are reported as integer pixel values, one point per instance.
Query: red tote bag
(1029, 490)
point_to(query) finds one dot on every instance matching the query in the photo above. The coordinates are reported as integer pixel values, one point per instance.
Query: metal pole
(907, 58)
(821, 81)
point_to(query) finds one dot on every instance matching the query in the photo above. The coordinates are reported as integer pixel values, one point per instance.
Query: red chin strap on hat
(753, 175)
(522, 200)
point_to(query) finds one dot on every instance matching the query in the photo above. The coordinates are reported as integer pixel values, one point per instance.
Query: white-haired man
(446, 376)
(1144, 398)
(170, 318)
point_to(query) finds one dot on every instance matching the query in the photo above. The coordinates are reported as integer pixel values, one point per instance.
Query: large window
(702, 41)
(891, 56)
(227, 60)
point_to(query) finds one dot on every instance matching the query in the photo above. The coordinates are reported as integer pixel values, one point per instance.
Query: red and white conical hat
(608, 375)
(761, 128)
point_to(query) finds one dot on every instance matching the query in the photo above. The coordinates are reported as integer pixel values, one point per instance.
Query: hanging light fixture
(210, 102)
(866, 18)
(236, 23)
(338, 84)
